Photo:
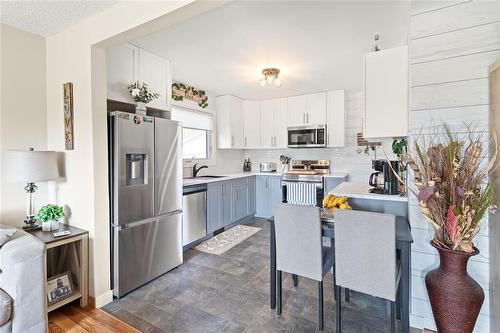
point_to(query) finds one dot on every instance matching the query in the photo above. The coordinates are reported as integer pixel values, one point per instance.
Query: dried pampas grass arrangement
(451, 177)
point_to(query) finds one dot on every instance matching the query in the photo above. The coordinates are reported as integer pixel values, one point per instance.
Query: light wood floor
(74, 319)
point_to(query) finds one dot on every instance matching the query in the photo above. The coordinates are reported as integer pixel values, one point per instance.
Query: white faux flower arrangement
(142, 93)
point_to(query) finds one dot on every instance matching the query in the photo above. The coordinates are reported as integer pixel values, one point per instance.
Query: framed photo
(59, 287)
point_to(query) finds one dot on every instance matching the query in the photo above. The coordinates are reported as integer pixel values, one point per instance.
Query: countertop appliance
(268, 166)
(307, 136)
(194, 213)
(303, 183)
(247, 165)
(384, 181)
(145, 168)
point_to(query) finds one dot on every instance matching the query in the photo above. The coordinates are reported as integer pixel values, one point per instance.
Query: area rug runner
(227, 239)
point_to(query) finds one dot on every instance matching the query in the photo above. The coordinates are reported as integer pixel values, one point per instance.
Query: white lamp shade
(32, 166)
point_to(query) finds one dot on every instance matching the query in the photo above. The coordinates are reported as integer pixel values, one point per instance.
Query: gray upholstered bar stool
(365, 257)
(299, 248)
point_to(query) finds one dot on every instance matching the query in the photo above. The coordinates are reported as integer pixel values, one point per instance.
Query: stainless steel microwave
(307, 136)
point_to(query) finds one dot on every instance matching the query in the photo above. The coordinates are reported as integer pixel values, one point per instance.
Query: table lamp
(31, 166)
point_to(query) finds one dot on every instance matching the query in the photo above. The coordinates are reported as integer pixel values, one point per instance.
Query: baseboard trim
(104, 299)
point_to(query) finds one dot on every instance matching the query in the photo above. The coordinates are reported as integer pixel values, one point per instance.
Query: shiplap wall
(451, 46)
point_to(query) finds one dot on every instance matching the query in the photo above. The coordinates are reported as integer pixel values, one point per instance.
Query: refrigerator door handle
(138, 223)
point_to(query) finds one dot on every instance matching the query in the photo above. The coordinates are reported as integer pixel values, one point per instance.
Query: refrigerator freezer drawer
(145, 251)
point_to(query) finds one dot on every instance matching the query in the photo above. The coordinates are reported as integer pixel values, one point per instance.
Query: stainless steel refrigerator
(145, 158)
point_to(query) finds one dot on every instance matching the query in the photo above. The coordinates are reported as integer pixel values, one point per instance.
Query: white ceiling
(46, 18)
(318, 45)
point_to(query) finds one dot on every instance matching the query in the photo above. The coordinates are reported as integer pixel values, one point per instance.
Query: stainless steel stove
(308, 170)
(305, 172)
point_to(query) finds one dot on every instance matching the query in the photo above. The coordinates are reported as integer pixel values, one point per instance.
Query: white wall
(77, 55)
(358, 165)
(451, 46)
(23, 113)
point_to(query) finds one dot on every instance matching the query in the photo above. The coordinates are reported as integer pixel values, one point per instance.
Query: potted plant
(451, 177)
(399, 148)
(50, 216)
(142, 94)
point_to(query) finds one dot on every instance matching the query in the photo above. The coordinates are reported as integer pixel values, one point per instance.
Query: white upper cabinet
(230, 129)
(153, 71)
(126, 64)
(386, 93)
(263, 124)
(252, 123)
(336, 119)
(280, 123)
(121, 68)
(267, 123)
(237, 125)
(297, 110)
(274, 123)
(316, 109)
(307, 110)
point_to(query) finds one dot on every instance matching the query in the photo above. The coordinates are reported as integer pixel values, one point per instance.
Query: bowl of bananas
(331, 202)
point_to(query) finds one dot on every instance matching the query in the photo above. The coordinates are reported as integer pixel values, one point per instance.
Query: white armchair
(23, 279)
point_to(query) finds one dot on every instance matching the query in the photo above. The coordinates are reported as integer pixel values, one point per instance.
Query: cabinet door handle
(303, 118)
(245, 141)
(232, 140)
(271, 140)
(307, 118)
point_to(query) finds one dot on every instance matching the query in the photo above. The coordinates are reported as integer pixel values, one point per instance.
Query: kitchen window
(197, 135)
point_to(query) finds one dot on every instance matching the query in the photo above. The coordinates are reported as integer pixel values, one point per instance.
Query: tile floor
(229, 293)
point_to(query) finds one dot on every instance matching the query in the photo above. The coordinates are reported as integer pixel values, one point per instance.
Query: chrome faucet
(196, 170)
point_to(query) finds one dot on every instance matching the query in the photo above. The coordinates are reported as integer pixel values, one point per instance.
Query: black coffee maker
(384, 181)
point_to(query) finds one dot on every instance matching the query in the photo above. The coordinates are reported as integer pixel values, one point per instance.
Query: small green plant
(50, 213)
(142, 93)
(399, 149)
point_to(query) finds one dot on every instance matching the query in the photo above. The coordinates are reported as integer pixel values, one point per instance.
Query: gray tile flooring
(229, 293)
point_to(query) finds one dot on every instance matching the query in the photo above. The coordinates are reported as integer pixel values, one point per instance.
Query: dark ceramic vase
(455, 297)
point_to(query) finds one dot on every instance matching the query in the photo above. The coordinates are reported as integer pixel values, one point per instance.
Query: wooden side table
(67, 253)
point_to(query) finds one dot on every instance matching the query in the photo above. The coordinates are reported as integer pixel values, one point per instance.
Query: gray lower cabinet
(251, 195)
(242, 198)
(229, 201)
(330, 183)
(268, 193)
(215, 206)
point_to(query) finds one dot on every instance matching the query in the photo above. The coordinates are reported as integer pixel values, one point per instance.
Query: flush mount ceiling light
(270, 77)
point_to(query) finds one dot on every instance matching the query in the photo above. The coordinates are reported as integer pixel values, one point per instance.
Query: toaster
(268, 167)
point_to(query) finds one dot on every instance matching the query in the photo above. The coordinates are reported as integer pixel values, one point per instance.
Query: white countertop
(361, 191)
(337, 175)
(229, 176)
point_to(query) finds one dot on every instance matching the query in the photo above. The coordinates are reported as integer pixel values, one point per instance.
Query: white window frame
(210, 161)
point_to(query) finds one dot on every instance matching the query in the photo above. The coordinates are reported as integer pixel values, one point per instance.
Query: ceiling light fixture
(270, 77)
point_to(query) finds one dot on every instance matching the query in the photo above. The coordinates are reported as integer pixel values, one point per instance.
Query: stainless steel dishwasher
(194, 215)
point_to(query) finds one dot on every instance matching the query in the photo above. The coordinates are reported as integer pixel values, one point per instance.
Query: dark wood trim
(113, 105)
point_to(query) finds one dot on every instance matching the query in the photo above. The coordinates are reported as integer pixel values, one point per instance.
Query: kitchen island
(361, 199)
